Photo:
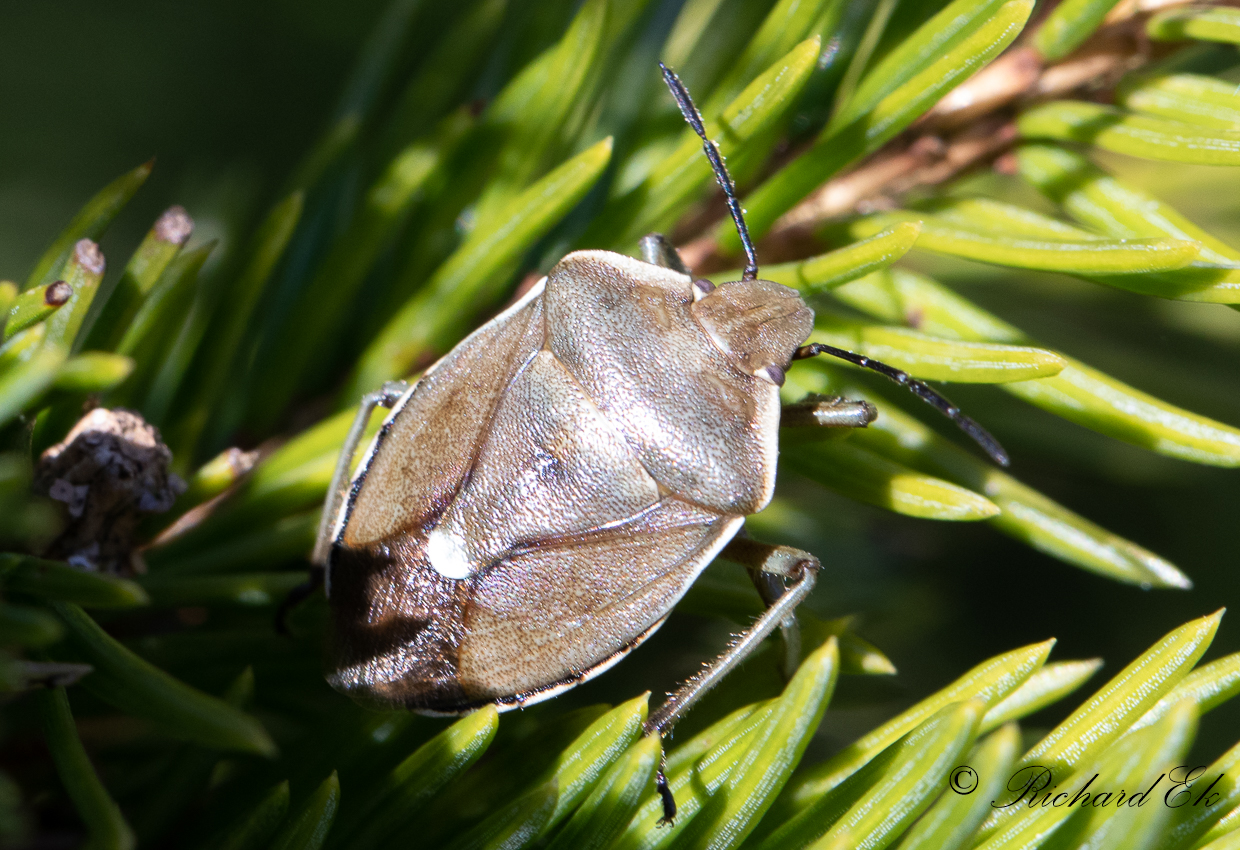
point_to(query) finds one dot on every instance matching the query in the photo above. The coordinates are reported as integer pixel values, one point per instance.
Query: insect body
(535, 505)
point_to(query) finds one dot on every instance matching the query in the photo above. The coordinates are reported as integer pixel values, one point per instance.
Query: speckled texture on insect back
(536, 504)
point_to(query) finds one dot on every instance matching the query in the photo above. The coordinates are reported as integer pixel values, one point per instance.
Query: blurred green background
(225, 95)
(229, 95)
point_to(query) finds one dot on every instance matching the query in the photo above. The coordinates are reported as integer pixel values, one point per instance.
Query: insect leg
(657, 251)
(770, 566)
(920, 389)
(779, 562)
(385, 397)
(819, 411)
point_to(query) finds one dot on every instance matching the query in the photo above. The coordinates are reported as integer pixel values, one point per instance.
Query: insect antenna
(923, 391)
(694, 118)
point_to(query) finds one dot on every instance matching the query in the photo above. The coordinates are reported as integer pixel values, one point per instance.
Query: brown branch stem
(971, 127)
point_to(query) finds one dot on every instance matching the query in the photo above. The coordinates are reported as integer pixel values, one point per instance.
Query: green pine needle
(471, 148)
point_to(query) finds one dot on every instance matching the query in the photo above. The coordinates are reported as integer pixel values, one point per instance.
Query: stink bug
(538, 501)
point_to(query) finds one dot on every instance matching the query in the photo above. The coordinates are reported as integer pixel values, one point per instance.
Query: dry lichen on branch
(108, 471)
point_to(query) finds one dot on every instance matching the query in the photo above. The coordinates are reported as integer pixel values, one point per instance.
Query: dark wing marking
(396, 624)
(542, 620)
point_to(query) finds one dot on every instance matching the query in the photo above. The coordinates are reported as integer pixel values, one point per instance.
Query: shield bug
(536, 503)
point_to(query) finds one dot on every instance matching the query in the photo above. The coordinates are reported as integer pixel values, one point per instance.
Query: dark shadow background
(226, 95)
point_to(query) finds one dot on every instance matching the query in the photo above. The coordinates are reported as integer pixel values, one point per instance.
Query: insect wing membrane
(550, 617)
(394, 628)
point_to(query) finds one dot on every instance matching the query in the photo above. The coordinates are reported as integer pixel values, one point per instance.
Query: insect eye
(771, 373)
(701, 288)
